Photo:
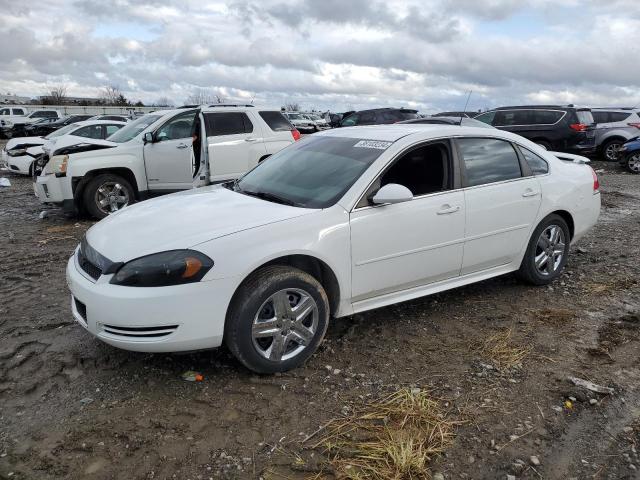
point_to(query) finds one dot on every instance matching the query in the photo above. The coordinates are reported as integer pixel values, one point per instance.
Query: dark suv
(378, 116)
(561, 128)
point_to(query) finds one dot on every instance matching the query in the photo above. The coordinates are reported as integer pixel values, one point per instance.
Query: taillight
(578, 127)
(296, 134)
(596, 182)
(637, 125)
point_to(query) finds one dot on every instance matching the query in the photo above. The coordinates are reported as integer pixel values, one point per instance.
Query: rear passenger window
(537, 164)
(18, 111)
(227, 123)
(367, 118)
(509, 118)
(487, 160)
(276, 121)
(616, 116)
(545, 117)
(600, 117)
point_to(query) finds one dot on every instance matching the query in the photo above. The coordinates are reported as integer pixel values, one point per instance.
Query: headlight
(174, 267)
(58, 164)
(16, 152)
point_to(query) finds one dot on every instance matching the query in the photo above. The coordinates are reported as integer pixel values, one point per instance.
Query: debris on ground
(43, 214)
(191, 376)
(4, 182)
(579, 382)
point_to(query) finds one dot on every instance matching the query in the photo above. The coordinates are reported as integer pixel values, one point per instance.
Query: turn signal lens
(596, 182)
(192, 267)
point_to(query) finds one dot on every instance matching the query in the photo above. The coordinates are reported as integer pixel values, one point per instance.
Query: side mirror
(148, 137)
(392, 193)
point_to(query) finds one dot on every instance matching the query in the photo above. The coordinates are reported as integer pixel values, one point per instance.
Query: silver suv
(614, 127)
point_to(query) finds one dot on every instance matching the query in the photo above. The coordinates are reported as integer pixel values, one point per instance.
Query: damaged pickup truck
(159, 153)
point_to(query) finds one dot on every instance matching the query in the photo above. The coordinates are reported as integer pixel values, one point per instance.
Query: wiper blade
(270, 197)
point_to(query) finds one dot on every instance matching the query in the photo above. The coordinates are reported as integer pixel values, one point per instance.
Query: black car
(40, 129)
(563, 128)
(378, 116)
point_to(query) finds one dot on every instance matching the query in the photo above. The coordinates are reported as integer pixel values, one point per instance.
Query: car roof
(396, 131)
(386, 109)
(84, 123)
(537, 107)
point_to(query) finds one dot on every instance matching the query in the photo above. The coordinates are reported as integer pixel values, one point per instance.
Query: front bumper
(160, 319)
(51, 189)
(21, 164)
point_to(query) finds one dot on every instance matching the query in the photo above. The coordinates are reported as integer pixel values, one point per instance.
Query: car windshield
(61, 131)
(295, 116)
(313, 173)
(133, 129)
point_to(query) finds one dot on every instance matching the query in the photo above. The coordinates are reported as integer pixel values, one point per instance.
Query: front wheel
(547, 252)
(106, 194)
(611, 150)
(633, 162)
(277, 319)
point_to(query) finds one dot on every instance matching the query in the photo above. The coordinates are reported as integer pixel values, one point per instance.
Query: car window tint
(367, 118)
(486, 117)
(537, 164)
(600, 117)
(5, 111)
(90, 131)
(616, 116)
(488, 160)
(227, 123)
(177, 128)
(18, 111)
(111, 129)
(545, 117)
(507, 118)
(423, 170)
(276, 121)
(350, 121)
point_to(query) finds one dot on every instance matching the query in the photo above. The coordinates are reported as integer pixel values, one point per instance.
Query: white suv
(158, 153)
(8, 121)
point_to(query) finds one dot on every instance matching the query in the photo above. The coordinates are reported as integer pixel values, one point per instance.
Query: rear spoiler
(568, 157)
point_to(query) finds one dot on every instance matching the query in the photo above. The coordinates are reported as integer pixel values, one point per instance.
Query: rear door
(278, 131)
(502, 200)
(168, 159)
(234, 144)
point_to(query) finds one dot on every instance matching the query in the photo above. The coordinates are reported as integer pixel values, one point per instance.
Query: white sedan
(342, 222)
(20, 152)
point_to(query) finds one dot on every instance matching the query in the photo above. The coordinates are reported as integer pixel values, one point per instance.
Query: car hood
(30, 141)
(51, 146)
(183, 220)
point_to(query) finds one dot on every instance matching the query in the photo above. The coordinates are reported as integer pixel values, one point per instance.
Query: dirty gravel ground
(72, 407)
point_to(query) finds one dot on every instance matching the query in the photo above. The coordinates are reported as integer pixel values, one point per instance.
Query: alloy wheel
(550, 250)
(612, 151)
(633, 162)
(111, 197)
(285, 324)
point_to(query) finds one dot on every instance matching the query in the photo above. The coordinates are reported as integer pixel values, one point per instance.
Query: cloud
(328, 54)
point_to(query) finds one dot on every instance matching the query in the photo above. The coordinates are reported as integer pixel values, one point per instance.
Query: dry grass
(610, 285)
(500, 350)
(392, 439)
(555, 316)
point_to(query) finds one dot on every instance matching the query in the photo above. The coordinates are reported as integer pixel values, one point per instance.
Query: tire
(114, 187)
(632, 162)
(543, 143)
(256, 304)
(610, 150)
(546, 272)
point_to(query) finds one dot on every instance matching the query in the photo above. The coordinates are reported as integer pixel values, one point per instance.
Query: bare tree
(200, 96)
(112, 95)
(163, 102)
(58, 94)
(292, 106)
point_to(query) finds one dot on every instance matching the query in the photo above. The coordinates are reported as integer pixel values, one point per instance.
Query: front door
(400, 246)
(168, 160)
(501, 203)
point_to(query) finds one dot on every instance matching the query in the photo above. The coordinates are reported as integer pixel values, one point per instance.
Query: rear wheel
(633, 162)
(277, 319)
(106, 194)
(547, 252)
(611, 150)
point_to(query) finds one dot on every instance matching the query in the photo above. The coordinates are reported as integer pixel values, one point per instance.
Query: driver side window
(423, 170)
(177, 128)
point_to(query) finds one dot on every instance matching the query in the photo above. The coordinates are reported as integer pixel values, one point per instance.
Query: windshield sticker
(373, 144)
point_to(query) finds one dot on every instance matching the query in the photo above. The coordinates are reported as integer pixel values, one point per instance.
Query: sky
(328, 54)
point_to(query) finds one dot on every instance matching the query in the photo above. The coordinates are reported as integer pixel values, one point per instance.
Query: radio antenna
(464, 111)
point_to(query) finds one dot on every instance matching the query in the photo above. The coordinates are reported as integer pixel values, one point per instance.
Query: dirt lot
(496, 355)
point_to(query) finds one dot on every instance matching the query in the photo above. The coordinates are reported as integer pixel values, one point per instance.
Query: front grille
(140, 332)
(89, 268)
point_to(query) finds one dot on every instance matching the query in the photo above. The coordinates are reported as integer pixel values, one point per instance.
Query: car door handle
(530, 193)
(251, 139)
(183, 145)
(446, 210)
